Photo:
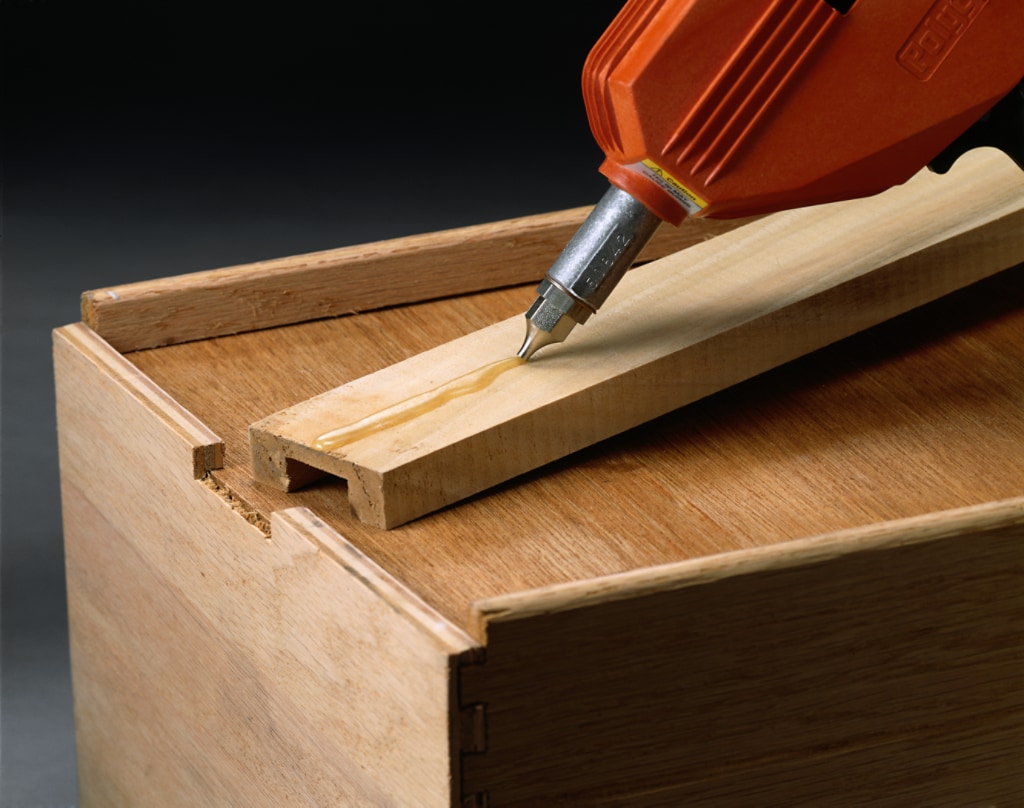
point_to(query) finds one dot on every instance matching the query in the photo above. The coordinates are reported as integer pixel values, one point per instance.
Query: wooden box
(805, 590)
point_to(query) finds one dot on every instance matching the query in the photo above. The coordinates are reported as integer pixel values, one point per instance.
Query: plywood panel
(913, 416)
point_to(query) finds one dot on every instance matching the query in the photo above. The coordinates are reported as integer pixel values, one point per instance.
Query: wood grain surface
(678, 329)
(214, 665)
(917, 415)
(882, 666)
(803, 590)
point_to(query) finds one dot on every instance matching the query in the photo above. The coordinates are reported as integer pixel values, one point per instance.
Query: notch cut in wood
(675, 331)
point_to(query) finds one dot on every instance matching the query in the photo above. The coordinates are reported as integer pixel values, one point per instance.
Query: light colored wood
(215, 665)
(880, 667)
(231, 648)
(346, 280)
(677, 330)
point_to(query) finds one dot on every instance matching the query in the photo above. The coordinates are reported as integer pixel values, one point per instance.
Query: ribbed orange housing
(735, 107)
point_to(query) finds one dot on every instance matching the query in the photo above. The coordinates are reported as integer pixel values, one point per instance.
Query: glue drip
(415, 406)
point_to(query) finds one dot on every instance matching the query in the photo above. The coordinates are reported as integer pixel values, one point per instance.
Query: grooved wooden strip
(346, 280)
(676, 330)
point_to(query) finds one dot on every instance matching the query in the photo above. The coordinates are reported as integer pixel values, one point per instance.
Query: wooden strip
(675, 331)
(346, 280)
(220, 665)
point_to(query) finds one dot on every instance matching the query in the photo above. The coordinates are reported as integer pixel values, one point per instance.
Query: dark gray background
(154, 139)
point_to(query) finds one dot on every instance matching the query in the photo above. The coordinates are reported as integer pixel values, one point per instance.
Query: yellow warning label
(683, 195)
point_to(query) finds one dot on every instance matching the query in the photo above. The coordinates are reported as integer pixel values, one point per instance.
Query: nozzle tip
(550, 319)
(536, 338)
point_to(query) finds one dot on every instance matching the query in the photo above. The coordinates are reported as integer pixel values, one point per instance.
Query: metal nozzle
(590, 266)
(536, 339)
(551, 317)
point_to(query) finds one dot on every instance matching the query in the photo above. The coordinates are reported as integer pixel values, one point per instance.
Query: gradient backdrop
(152, 139)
